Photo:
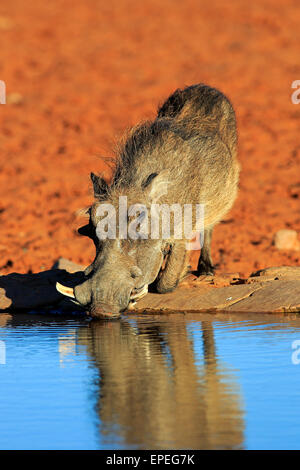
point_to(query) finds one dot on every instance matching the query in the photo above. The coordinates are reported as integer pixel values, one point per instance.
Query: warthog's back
(194, 137)
(202, 109)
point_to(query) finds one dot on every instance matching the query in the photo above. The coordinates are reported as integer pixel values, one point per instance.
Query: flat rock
(271, 290)
(273, 296)
(67, 265)
(195, 300)
(276, 273)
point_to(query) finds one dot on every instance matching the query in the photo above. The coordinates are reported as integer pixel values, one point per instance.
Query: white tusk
(141, 294)
(68, 291)
(131, 305)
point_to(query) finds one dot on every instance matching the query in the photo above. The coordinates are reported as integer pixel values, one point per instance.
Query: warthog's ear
(100, 186)
(156, 185)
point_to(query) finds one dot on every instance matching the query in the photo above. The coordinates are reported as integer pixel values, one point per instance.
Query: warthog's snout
(104, 311)
(92, 297)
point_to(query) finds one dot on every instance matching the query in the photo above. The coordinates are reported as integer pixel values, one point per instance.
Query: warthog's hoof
(206, 269)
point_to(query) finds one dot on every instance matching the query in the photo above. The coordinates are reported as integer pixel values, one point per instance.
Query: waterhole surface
(150, 382)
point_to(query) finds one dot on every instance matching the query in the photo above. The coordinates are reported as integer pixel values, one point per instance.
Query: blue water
(163, 382)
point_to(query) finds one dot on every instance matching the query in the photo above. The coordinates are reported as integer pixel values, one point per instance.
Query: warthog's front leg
(175, 269)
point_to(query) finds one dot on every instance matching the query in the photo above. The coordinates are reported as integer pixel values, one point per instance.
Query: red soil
(80, 72)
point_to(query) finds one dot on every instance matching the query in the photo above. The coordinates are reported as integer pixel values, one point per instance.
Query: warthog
(187, 155)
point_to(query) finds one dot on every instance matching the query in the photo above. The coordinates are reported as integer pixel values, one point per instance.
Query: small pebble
(287, 240)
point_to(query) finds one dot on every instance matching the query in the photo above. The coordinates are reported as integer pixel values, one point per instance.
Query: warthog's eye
(135, 272)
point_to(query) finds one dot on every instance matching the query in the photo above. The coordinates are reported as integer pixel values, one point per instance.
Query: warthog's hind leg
(205, 264)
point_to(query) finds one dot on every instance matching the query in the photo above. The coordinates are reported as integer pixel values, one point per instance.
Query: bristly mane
(141, 140)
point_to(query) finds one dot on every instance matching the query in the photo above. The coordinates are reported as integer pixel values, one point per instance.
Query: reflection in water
(149, 381)
(66, 345)
(152, 392)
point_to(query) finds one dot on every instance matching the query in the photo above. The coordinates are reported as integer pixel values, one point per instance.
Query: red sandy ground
(78, 73)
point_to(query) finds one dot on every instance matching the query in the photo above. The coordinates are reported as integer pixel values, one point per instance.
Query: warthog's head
(123, 267)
